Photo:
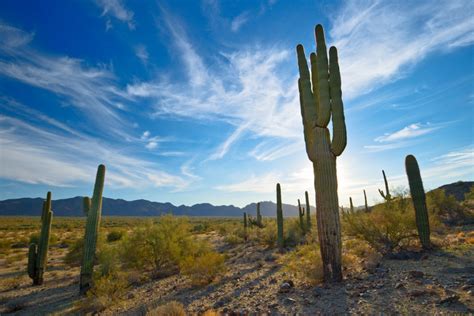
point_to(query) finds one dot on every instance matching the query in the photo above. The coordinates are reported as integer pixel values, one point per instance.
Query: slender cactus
(321, 100)
(38, 253)
(86, 206)
(351, 205)
(419, 200)
(259, 216)
(365, 202)
(92, 231)
(280, 240)
(308, 213)
(301, 217)
(386, 196)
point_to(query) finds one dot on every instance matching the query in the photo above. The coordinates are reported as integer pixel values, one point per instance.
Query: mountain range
(119, 207)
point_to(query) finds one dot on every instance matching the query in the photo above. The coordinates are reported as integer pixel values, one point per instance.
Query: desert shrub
(357, 254)
(203, 269)
(304, 263)
(34, 238)
(292, 231)
(385, 228)
(108, 258)
(114, 235)
(268, 234)
(201, 227)
(447, 209)
(161, 246)
(108, 290)
(172, 308)
(233, 239)
(74, 255)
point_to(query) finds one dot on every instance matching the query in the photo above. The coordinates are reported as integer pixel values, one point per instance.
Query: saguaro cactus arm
(386, 195)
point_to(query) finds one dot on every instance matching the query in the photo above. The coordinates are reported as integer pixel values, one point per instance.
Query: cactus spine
(308, 214)
(301, 216)
(280, 240)
(92, 231)
(318, 105)
(38, 254)
(386, 196)
(419, 200)
(365, 202)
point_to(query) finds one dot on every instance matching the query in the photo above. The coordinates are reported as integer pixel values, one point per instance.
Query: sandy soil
(441, 282)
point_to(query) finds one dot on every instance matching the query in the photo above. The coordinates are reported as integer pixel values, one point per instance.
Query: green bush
(447, 209)
(74, 255)
(114, 235)
(304, 263)
(203, 269)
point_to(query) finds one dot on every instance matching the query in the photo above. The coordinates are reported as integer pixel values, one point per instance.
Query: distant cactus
(386, 196)
(320, 99)
(351, 205)
(259, 216)
(280, 240)
(419, 200)
(308, 213)
(38, 253)
(86, 205)
(365, 202)
(245, 225)
(301, 217)
(92, 231)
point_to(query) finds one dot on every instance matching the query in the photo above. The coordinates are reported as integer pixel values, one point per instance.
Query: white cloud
(239, 21)
(116, 9)
(92, 90)
(151, 145)
(377, 40)
(224, 147)
(142, 53)
(410, 131)
(271, 150)
(52, 157)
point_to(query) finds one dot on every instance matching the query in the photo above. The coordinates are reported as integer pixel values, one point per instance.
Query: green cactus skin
(38, 254)
(318, 106)
(280, 240)
(259, 216)
(351, 205)
(308, 213)
(419, 200)
(86, 205)
(365, 202)
(386, 196)
(301, 217)
(92, 231)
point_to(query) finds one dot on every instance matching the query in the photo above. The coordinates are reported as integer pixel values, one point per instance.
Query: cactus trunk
(38, 254)
(259, 216)
(308, 213)
(245, 226)
(365, 202)
(351, 205)
(386, 196)
(280, 240)
(92, 231)
(301, 217)
(419, 200)
(321, 101)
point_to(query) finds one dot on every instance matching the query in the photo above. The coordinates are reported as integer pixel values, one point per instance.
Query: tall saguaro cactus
(280, 240)
(351, 205)
(38, 253)
(321, 100)
(365, 202)
(308, 213)
(419, 200)
(387, 196)
(259, 216)
(94, 213)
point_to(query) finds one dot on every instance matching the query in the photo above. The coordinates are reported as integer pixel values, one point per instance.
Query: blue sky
(196, 101)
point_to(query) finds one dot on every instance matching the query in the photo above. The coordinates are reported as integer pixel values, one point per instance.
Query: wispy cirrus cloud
(93, 90)
(142, 53)
(117, 10)
(246, 89)
(410, 131)
(378, 40)
(239, 21)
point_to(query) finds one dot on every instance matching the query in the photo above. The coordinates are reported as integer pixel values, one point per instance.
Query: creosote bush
(114, 235)
(304, 263)
(172, 308)
(203, 269)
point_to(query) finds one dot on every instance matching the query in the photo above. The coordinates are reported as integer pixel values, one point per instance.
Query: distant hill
(119, 207)
(457, 189)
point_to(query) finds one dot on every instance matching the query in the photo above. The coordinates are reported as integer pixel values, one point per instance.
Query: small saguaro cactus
(86, 205)
(351, 205)
(245, 226)
(280, 240)
(38, 253)
(386, 196)
(259, 216)
(320, 100)
(301, 217)
(308, 213)
(419, 200)
(94, 212)
(365, 202)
